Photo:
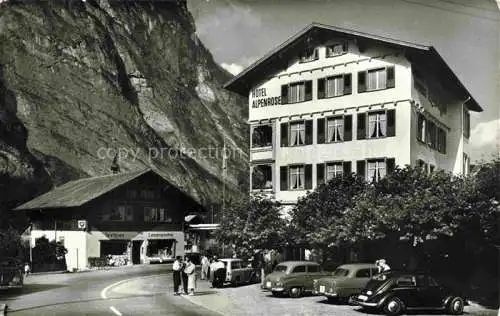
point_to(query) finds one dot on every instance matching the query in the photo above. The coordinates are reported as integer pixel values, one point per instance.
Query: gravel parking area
(251, 300)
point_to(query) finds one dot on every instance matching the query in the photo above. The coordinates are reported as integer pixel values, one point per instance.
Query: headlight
(369, 293)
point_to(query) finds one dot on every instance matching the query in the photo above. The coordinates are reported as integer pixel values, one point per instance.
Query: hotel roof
(277, 58)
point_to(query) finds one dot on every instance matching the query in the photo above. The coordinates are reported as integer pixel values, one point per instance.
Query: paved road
(93, 293)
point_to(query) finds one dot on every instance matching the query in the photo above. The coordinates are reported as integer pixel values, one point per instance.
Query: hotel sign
(261, 99)
(143, 235)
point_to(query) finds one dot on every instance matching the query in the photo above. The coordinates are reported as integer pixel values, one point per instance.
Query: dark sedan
(395, 292)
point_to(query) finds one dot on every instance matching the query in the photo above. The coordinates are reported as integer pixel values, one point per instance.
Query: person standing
(177, 274)
(204, 267)
(219, 274)
(191, 274)
(184, 276)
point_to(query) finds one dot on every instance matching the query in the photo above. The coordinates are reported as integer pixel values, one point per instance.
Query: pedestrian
(184, 276)
(177, 274)
(191, 274)
(219, 274)
(212, 269)
(27, 269)
(382, 265)
(204, 267)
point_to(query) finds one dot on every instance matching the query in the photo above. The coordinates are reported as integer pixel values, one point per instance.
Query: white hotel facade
(330, 101)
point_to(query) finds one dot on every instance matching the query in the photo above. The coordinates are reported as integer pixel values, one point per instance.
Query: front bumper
(357, 301)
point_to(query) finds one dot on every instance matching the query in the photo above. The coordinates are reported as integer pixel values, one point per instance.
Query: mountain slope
(81, 81)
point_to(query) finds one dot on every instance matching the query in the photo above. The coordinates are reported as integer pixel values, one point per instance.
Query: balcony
(262, 178)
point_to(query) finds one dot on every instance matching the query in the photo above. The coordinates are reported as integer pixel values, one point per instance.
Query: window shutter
(284, 178)
(316, 53)
(420, 124)
(361, 81)
(321, 131)
(347, 167)
(284, 94)
(361, 134)
(321, 88)
(309, 132)
(391, 123)
(390, 164)
(320, 173)
(308, 176)
(444, 142)
(390, 77)
(347, 128)
(309, 90)
(284, 134)
(347, 84)
(360, 168)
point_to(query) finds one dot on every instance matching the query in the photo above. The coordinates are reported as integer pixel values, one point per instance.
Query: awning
(204, 226)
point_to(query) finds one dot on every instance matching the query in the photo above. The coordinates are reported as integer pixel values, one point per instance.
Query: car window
(340, 272)
(406, 281)
(299, 269)
(432, 282)
(235, 265)
(313, 268)
(363, 273)
(280, 268)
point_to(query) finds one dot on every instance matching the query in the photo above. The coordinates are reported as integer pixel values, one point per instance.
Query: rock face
(82, 81)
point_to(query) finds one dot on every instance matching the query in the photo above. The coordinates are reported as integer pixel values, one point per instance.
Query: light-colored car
(346, 281)
(293, 278)
(239, 271)
(11, 274)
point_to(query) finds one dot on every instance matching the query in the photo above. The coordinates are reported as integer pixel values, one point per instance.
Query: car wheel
(393, 306)
(295, 292)
(456, 306)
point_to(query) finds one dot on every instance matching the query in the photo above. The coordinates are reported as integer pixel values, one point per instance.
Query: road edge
(201, 305)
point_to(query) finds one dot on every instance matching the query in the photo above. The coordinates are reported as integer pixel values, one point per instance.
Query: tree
(252, 224)
(317, 217)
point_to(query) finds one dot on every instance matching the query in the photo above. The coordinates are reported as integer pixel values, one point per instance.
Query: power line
(448, 10)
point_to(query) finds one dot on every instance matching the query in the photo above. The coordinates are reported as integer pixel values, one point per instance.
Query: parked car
(346, 281)
(238, 272)
(11, 273)
(395, 292)
(293, 278)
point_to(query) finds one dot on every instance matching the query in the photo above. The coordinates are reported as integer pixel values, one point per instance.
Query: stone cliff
(80, 81)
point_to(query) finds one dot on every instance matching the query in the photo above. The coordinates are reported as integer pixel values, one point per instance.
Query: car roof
(357, 266)
(296, 263)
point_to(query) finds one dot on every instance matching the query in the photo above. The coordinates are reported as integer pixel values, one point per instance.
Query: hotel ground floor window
(375, 169)
(296, 177)
(262, 177)
(262, 136)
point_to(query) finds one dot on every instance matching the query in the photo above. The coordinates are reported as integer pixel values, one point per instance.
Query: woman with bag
(191, 274)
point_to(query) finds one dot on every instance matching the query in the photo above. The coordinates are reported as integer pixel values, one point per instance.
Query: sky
(465, 32)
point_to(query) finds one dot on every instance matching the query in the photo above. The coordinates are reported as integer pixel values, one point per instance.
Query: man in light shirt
(177, 274)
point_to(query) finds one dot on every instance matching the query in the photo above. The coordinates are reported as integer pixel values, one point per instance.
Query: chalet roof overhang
(277, 59)
(82, 191)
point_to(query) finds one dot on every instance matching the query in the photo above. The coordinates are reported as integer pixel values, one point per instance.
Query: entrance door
(136, 251)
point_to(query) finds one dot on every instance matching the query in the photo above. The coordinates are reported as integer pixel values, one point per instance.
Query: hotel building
(330, 101)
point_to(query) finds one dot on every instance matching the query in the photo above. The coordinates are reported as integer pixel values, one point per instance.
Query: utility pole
(224, 168)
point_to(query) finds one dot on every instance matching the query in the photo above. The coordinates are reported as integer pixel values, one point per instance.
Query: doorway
(136, 251)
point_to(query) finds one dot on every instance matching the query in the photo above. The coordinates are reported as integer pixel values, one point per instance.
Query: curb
(3, 308)
(48, 272)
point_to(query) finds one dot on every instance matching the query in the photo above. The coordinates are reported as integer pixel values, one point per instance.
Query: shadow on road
(204, 293)
(27, 289)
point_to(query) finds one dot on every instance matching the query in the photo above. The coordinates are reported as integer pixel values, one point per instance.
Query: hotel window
(310, 54)
(421, 122)
(441, 141)
(156, 215)
(327, 171)
(431, 138)
(296, 177)
(262, 136)
(376, 79)
(119, 213)
(262, 177)
(466, 125)
(335, 129)
(296, 92)
(148, 194)
(131, 193)
(334, 86)
(377, 124)
(296, 133)
(432, 135)
(336, 49)
(374, 169)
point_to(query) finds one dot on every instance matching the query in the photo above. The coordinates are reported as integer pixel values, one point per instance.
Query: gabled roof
(277, 58)
(78, 192)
